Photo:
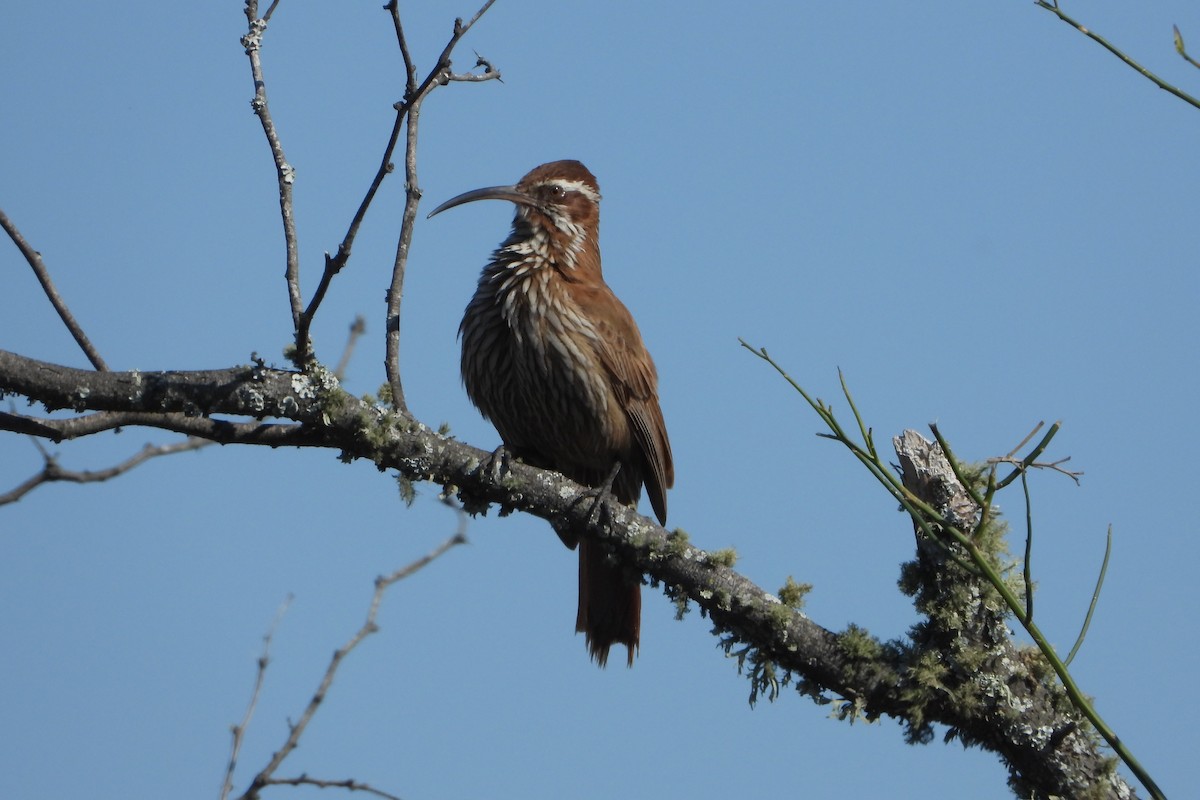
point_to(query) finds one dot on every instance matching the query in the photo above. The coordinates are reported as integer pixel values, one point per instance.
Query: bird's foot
(598, 495)
(496, 466)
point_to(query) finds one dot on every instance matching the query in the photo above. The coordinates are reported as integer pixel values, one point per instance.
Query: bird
(556, 362)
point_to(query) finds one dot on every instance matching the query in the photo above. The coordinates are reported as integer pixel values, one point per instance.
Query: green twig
(1028, 460)
(920, 511)
(868, 440)
(1053, 8)
(1027, 572)
(1087, 620)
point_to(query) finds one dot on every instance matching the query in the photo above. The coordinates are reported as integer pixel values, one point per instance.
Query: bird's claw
(496, 466)
(598, 495)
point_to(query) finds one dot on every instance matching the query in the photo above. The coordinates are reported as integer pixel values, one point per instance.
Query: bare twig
(216, 430)
(52, 472)
(349, 784)
(266, 776)
(1031, 458)
(490, 73)
(285, 173)
(239, 731)
(1053, 7)
(1025, 441)
(357, 329)
(34, 259)
(1056, 466)
(411, 108)
(334, 264)
(407, 112)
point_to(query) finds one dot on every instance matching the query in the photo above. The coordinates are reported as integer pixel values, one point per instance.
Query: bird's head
(559, 200)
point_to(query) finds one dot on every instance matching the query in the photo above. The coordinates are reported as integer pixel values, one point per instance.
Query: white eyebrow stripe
(575, 186)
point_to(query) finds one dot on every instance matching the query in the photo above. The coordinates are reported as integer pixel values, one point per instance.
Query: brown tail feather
(610, 605)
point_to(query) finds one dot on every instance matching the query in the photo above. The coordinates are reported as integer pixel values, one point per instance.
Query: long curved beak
(510, 193)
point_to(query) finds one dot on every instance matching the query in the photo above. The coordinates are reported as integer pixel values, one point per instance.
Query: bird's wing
(635, 382)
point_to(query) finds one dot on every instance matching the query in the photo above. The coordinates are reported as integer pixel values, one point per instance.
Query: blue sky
(981, 217)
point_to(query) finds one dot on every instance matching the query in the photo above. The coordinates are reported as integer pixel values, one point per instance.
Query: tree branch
(53, 472)
(216, 430)
(265, 777)
(1053, 7)
(410, 109)
(34, 259)
(349, 784)
(285, 173)
(1014, 711)
(239, 731)
(976, 660)
(407, 114)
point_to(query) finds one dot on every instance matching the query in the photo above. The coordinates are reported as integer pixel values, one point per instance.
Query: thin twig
(411, 108)
(335, 263)
(1087, 620)
(1053, 7)
(266, 776)
(349, 784)
(1021, 466)
(239, 731)
(1027, 570)
(218, 430)
(863, 430)
(1011, 453)
(490, 73)
(34, 259)
(285, 173)
(52, 472)
(357, 329)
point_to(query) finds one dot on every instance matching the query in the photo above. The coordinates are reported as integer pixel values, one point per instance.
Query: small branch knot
(252, 41)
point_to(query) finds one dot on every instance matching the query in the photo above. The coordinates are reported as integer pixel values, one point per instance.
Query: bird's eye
(555, 192)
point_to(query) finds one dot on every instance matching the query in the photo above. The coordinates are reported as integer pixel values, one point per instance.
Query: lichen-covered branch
(960, 669)
(964, 651)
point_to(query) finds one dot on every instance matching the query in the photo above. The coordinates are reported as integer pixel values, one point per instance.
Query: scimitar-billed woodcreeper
(556, 362)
